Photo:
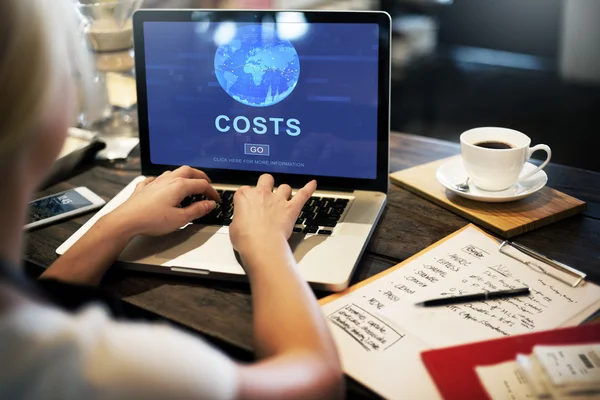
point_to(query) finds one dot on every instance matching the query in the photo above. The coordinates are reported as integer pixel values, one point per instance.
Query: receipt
(505, 381)
(571, 365)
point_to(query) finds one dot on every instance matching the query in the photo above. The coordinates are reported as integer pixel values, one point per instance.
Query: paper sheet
(379, 354)
(76, 140)
(468, 262)
(505, 381)
(559, 372)
(117, 147)
(121, 90)
(571, 365)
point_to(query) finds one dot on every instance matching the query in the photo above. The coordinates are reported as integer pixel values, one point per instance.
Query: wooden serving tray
(505, 219)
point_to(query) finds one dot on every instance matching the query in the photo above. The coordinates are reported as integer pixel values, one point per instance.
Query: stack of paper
(569, 372)
(561, 372)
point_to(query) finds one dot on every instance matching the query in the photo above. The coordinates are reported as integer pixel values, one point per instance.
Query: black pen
(475, 297)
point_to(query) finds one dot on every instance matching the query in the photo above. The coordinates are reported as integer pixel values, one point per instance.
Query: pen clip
(541, 259)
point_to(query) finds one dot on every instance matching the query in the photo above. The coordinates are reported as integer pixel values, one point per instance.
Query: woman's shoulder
(27, 323)
(88, 352)
(36, 341)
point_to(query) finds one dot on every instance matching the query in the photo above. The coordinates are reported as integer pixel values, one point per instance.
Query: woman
(47, 352)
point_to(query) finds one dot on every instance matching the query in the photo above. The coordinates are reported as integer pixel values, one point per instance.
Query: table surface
(222, 311)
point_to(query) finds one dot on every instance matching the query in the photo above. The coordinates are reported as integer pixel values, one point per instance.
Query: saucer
(453, 172)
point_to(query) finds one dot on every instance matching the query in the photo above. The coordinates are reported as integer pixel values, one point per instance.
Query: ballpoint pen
(501, 294)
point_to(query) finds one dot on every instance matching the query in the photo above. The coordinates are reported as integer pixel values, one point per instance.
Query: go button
(256, 149)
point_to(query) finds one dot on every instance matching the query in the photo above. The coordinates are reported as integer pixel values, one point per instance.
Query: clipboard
(380, 275)
(380, 334)
(536, 261)
(542, 264)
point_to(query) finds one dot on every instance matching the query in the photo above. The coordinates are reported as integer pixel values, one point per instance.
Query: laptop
(299, 95)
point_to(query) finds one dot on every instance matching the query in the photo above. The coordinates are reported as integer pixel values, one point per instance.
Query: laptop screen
(286, 97)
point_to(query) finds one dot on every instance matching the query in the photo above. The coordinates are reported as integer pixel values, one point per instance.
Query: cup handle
(530, 151)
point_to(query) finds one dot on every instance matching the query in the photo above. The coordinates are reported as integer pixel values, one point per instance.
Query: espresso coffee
(492, 144)
(494, 158)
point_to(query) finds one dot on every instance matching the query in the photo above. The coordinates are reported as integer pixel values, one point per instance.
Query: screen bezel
(382, 19)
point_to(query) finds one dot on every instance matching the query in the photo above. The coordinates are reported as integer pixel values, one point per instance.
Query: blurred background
(530, 65)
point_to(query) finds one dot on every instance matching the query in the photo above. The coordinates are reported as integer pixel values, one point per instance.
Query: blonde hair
(40, 45)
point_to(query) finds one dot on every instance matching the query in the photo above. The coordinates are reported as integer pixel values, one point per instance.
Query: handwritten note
(369, 331)
(466, 263)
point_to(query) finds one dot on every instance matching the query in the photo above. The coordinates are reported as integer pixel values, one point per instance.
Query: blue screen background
(335, 101)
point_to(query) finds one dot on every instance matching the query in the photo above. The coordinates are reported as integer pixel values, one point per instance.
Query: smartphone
(61, 206)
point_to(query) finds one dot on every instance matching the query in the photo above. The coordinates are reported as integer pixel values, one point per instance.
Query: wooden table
(222, 311)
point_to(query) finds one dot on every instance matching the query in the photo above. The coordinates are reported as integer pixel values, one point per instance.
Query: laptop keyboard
(318, 216)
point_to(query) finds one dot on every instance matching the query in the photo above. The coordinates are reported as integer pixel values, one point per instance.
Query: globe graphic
(257, 68)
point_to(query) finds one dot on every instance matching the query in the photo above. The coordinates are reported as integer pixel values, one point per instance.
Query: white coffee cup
(496, 169)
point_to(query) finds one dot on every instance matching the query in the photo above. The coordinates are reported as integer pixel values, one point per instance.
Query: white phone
(63, 205)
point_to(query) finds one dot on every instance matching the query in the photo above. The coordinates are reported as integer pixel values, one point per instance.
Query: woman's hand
(303, 365)
(153, 208)
(261, 215)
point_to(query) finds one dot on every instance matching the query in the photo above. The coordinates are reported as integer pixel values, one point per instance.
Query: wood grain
(221, 311)
(410, 150)
(506, 219)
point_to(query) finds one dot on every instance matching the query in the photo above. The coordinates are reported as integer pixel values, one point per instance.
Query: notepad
(380, 333)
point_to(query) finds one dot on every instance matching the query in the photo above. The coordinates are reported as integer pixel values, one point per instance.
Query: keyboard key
(317, 212)
(329, 223)
(298, 229)
(321, 222)
(333, 213)
(324, 232)
(311, 229)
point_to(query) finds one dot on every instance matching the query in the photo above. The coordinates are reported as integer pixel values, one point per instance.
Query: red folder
(453, 368)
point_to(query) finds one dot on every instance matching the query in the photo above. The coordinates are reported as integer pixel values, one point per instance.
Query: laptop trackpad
(169, 246)
(194, 237)
(301, 245)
